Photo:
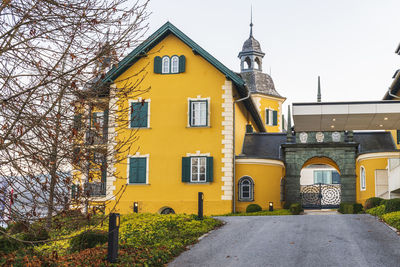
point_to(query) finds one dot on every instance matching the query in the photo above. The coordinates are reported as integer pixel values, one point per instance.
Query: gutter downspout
(234, 153)
(392, 95)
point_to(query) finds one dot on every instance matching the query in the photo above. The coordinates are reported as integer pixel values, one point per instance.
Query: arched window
(246, 189)
(363, 184)
(175, 64)
(248, 61)
(165, 64)
(258, 63)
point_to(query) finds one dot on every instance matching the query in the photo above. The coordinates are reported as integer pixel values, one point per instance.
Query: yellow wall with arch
(370, 163)
(267, 175)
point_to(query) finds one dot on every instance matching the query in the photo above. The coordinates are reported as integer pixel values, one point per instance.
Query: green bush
(350, 208)
(392, 205)
(392, 219)
(357, 208)
(377, 211)
(18, 227)
(253, 208)
(88, 239)
(8, 245)
(295, 208)
(286, 205)
(35, 233)
(373, 202)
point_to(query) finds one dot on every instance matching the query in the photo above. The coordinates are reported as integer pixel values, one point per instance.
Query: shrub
(377, 211)
(392, 205)
(373, 202)
(253, 208)
(88, 239)
(295, 208)
(18, 227)
(392, 219)
(350, 208)
(8, 245)
(286, 205)
(36, 233)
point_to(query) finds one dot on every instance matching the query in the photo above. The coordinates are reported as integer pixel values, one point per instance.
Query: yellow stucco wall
(370, 164)
(266, 175)
(169, 138)
(264, 102)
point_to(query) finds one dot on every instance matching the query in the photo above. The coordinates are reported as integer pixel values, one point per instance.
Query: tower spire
(251, 21)
(319, 90)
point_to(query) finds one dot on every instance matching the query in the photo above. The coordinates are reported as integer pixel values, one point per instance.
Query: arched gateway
(338, 147)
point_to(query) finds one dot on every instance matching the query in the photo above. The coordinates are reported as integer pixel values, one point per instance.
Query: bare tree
(53, 57)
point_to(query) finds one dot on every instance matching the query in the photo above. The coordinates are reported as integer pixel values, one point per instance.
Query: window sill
(195, 127)
(197, 182)
(137, 184)
(139, 128)
(246, 200)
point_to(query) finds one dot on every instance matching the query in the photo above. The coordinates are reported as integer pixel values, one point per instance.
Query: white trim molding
(270, 162)
(198, 154)
(378, 155)
(199, 98)
(227, 141)
(139, 100)
(361, 179)
(138, 155)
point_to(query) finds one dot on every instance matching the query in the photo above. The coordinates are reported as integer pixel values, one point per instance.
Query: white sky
(349, 43)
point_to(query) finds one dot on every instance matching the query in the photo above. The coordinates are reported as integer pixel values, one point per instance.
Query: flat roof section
(346, 116)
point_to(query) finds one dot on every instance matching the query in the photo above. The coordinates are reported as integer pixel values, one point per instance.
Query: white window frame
(174, 64)
(251, 189)
(208, 122)
(165, 68)
(198, 173)
(363, 179)
(101, 124)
(270, 117)
(130, 112)
(138, 155)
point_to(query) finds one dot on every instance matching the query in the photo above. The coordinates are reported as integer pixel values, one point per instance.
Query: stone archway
(343, 154)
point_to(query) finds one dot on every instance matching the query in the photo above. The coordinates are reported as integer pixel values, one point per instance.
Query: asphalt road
(323, 240)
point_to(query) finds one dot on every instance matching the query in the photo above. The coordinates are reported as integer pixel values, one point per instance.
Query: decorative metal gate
(320, 196)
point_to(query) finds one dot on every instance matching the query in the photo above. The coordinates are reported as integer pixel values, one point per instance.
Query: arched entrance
(320, 184)
(339, 152)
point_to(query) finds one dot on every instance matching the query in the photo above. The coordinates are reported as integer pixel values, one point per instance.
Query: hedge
(350, 208)
(295, 209)
(392, 205)
(377, 211)
(392, 219)
(253, 208)
(88, 239)
(373, 202)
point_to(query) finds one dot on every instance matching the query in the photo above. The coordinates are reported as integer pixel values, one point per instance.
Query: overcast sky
(349, 43)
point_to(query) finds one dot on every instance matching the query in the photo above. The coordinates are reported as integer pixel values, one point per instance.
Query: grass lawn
(144, 240)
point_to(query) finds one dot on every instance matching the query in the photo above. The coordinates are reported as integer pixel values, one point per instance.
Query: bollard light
(135, 207)
(200, 206)
(271, 206)
(113, 229)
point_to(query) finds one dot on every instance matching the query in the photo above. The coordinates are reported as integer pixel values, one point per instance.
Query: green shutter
(137, 170)
(182, 64)
(94, 119)
(185, 169)
(139, 112)
(157, 65)
(209, 171)
(275, 117)
(104, 169)
(73, 191)
(398, 136)
(267, 116)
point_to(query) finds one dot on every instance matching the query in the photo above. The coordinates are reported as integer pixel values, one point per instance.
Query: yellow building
(169, 121)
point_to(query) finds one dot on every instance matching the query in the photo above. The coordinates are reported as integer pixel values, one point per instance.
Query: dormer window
(169, 65)
(165, 64)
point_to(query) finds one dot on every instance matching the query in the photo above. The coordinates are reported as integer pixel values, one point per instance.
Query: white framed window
(175, 64)
(165, 64)
(97, 120)
(198, 166)
(139, 113)
(138, 169)
(246, 189)
(363, 184)
(198, 113)
(271, 117)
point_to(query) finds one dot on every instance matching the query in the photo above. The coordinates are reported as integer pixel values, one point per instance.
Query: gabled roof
(157, 37)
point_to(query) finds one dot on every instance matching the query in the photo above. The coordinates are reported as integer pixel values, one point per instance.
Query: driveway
(323, 240)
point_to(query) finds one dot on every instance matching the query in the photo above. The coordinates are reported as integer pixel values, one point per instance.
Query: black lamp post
(271, 206)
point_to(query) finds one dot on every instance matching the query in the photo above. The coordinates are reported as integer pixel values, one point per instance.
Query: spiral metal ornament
(331, 195)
